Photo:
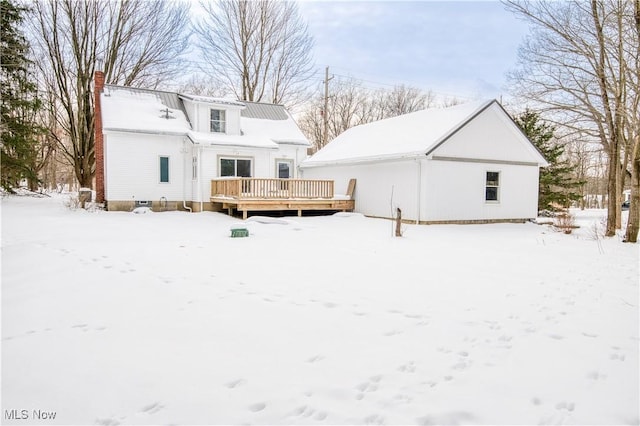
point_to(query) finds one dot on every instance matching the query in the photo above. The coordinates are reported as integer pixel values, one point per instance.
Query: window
(492, 186)
(164, 169)
(194, 167)
(240, 167)
(218, 121)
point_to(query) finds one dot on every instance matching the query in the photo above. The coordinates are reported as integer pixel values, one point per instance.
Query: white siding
(374, 186)
(263, 162)
(133, 167)
(449, 190)
(456, 191)
(200, 116)
(492, 136)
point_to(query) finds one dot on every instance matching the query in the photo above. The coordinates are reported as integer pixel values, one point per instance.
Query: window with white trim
(240, 167)
(218, 121)
(164, 169)
(492, 187)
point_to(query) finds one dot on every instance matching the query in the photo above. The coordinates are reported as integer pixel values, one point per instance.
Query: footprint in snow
(410, 367)
(369, 386)
(306, 411)
(403, 398)
(235, 383)
(462, 365)
(594, 375)
(152, 408)
(569, 406)
(257, 407)
(315, 358)
(615, 356)
(374, 419)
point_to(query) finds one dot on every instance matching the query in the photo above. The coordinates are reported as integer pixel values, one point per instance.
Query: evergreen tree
(19, 101)
(557, 182)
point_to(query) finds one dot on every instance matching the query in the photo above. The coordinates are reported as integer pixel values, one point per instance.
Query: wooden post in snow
(398, 222)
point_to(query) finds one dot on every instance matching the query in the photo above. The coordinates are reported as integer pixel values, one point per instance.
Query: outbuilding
(468, 163)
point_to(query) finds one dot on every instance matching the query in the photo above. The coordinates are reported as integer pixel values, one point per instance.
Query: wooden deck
(261, 194)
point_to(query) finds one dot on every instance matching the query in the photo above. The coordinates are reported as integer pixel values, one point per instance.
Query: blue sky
(461, 48)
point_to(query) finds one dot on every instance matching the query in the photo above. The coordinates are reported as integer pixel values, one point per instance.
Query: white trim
(486, 185)
(482, 160)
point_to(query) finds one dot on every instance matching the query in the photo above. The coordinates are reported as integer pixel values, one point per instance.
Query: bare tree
(204, 85)
(575, 65)
(351, 104)
(261, 49)
(137, 42)
(583, 155)
(404, 99)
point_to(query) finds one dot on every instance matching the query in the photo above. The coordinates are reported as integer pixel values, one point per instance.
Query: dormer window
(218, 121)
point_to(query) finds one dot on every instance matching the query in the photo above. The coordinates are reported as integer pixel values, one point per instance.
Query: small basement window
(492, 186)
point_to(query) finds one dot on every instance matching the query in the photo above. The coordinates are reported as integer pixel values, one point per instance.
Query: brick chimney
(99, 138)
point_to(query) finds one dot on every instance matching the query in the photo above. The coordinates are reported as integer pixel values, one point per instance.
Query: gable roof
(406, 136)
(129, 109)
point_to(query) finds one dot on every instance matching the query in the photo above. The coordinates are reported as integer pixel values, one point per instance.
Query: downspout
(199, 171)
(184, 181)
(419, 190)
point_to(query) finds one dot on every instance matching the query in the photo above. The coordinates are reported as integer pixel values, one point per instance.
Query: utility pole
(325, 113)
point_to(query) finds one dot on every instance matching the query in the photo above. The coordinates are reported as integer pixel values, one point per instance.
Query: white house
(163, 148)
(468, 164)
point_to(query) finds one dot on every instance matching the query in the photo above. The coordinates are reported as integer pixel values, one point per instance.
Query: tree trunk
(633, 225)
(612, 189)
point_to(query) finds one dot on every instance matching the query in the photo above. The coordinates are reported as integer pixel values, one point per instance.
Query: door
(284, 169)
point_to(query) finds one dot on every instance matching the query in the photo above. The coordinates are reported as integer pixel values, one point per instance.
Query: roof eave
(364, 160)
(145, 131)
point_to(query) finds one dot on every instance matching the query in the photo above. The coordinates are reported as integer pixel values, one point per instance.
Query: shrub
(565, 222)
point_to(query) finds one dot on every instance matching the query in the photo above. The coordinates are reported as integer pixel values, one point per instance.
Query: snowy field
(162, 318)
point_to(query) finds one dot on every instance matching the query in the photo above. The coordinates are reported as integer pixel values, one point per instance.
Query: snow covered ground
(162, 318)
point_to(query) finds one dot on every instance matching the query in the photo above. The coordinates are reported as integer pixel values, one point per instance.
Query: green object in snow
(239, 232)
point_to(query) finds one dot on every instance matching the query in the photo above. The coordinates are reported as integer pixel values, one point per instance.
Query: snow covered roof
(130, 109)
(405, 136)
(213, 100)
(256, 133)
(139, 110)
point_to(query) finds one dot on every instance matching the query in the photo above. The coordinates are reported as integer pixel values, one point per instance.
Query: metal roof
(264, 111)
(170, 99)
(174, 101)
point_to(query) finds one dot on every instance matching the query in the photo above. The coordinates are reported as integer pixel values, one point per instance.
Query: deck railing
(273, 189)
